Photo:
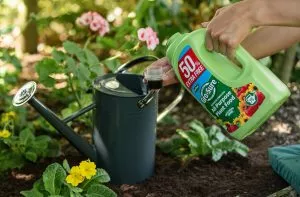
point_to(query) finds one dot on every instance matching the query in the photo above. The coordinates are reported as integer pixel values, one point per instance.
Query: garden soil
(232, 176)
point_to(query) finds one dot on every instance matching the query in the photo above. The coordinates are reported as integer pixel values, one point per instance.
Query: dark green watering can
(124, 117)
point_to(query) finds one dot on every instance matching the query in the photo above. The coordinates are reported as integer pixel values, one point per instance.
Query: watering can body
(124, 133)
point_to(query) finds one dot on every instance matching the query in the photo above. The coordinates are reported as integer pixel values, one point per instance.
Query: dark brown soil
(233, 175)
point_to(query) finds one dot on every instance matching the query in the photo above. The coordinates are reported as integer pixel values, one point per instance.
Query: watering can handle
(141, 59)
(127, 65)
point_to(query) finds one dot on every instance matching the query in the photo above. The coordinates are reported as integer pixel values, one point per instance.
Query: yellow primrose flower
(4, 119)
(11, 114)
(88, 169)
(75, 177)
(7, 116)
(5, 134)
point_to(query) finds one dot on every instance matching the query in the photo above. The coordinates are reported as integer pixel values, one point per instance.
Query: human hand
(230, 26)
(169, 76)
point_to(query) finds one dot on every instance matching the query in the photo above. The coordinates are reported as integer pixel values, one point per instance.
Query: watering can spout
(25, 94)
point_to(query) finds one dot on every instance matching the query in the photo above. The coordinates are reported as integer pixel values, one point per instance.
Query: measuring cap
(154, 77)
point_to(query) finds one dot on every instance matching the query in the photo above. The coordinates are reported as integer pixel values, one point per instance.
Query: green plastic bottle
(240, 98)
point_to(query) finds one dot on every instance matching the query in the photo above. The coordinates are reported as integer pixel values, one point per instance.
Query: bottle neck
(172, 43)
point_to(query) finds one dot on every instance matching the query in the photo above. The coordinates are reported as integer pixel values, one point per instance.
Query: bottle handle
(247, 61)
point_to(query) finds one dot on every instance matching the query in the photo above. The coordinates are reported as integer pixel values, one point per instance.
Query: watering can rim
(114, 93)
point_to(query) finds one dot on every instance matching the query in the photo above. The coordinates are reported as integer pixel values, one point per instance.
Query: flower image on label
(251, 99)
(232, 107)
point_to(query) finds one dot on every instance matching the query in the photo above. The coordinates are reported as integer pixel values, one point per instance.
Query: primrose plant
(16, 149)
(82, 180)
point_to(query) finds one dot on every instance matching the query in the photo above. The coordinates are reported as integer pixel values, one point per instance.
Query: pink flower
(142, 34)
(95, 25)
(95, 22)
(104, 29)
(152, 43)
(85, 19)
(150, 36)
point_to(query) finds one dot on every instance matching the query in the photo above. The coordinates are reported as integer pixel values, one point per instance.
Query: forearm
(267, 41)
(275, 12)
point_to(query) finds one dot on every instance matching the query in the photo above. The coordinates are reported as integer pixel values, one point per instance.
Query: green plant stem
(73, 90)
(88, 41)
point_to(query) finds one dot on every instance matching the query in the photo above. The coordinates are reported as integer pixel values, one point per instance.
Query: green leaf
(36, 191)
(100, 177)
(26, 136)
(58, 56)
(10, 160)
(92, 59)
(97, 69)
(222, 144)
(66, 190)
(39, 185)
(196, 125)
(169, 120)
(71, 47)
(16, 62)
(81, 57)
(32, 193)
(6, 30)
(240, 148)
(217, 154)
(112, 63)
(107, 42)
(53, 178)
(100, 191)
(176, 145)
(53, 149)
(198, 141)
(45, 68)
(31, 156)
(10, 58)
(83, 73)
(71, 65)
(41, 142)
(66, 165)
(77, 190)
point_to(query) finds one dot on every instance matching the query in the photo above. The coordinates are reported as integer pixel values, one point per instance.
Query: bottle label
(232, 107)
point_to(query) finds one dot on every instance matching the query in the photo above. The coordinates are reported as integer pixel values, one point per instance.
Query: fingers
(209, 41)
(215, 41)
(169, 78)
(163, 62)
(230, 52)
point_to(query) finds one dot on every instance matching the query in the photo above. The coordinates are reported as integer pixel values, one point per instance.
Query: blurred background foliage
(35, 26)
